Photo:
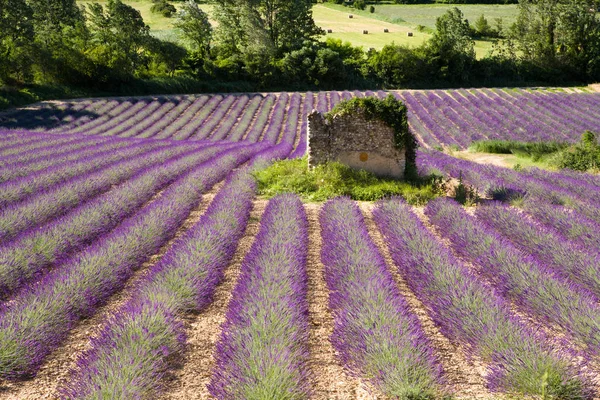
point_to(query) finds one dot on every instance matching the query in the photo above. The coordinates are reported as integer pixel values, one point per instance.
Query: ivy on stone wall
(393, 113)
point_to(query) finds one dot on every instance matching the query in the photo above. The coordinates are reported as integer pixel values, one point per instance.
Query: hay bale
(350, 16)
(329, 30)
(409, 34)
(365, 32)
(386, 30)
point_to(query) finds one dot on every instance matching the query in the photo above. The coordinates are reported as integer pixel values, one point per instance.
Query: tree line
(275, 45)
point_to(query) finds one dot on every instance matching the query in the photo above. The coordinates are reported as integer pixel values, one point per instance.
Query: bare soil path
(464, 376)
(203, 330)
(56, 368)
(330, 380)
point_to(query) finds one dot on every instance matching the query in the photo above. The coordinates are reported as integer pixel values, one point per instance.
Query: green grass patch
(335, 179)
(534, 150)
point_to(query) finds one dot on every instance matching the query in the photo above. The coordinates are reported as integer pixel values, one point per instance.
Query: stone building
(356, 141)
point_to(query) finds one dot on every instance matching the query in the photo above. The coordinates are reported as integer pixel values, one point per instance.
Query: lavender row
(182, 120)
(262, 118)
(375, 333)
(291, 121)
(262, 351)
(23, 259)
(215, 119)
(227, 123)
(142, 113)
(567, 259)
(532, 285)
(49, 152)
(470, 313)
(40, 208)
(138, 342)
(59, 162)
(238, 131)
(199, 119)
(148, 122)
(307, 108)
(39, 318)
(21, 188)
(570, 224)
(273, 130)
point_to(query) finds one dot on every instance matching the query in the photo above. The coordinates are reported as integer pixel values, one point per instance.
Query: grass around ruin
(335, 179)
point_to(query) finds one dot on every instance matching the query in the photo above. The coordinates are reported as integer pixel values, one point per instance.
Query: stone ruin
(355, 141)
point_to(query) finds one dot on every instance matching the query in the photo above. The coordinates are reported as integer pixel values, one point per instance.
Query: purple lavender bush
(262, 351)
(377, 336)
(139, 343)
(470, 313)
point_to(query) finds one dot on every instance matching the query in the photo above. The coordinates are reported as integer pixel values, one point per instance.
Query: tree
(16, 36)
(265, 26)
(557, 34)
(195, 27)
(451, 51)
(119, 35)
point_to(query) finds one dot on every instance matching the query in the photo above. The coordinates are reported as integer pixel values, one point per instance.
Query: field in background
(398, 19)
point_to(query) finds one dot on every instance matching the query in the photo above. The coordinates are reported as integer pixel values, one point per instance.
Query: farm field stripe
(252, 133)
(167, 120)
(375, 333)
(48, 379)
(140, 115)
(86, 121)
(329, 379)
(18, 148)
(119, 112)
(136, 107)
(238, 130)
(201, 118)
(48, 152)
(530, 284)
(183, 120)
(460, 373)
(39, 318)
(23, 258)
(146, 121)
(18, 170)
(203, 330)
(262, 350)
(470, 313)
(273, 129)
(138, 341)
(569, 223)
(565, 258)
(288, 133)
(215, 118)
(56, 202)
(300, 142)
(21, 188)
(234, 115)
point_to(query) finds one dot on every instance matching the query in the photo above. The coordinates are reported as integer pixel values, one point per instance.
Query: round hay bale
(350, 16)
(386, 30)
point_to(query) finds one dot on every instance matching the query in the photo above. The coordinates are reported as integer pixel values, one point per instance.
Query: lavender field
(137, 262)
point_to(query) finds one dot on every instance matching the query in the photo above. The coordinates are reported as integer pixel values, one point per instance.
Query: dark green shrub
(372, 9)
(360, 4)
(162, 7)
(584, 156)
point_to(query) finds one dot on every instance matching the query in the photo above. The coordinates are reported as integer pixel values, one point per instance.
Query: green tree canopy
(195, 27)
(265, 26)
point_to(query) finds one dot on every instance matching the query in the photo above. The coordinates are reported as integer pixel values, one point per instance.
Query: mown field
(398, 19)
(137, 261)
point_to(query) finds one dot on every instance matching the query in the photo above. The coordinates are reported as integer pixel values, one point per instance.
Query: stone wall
(356, 142)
